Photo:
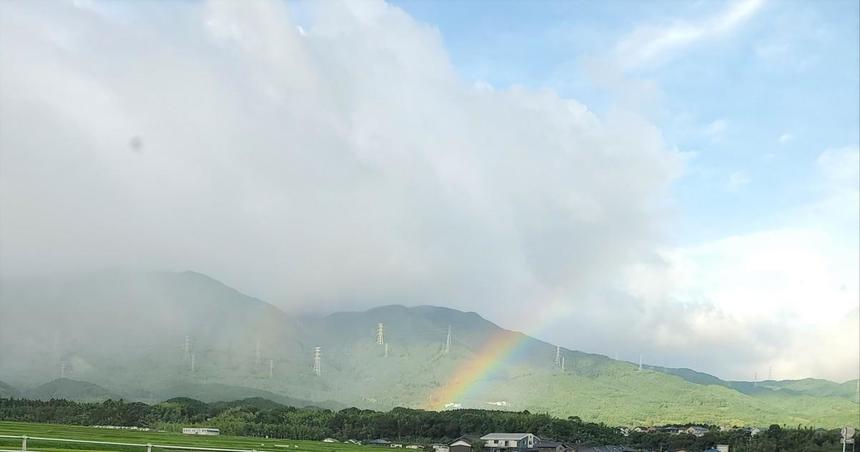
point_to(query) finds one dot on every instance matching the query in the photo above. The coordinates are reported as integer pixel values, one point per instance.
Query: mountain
(156, 336)
(216, 392)
(7, 391)
(64, 388)
(808, 386)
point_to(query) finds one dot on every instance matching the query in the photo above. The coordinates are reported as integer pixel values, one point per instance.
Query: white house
(510, 442)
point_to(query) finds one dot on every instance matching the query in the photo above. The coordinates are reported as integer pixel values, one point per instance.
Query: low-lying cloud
(339, 163)
(346, 164)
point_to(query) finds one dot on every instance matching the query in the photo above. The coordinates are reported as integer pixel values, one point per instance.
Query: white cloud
(350, 166)
(784, 297)
(346, 167)
(653, 44)
(785, 138)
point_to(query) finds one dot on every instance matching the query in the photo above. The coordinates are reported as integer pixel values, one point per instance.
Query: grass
(161, 438)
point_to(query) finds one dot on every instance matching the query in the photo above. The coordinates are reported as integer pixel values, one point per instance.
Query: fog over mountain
(330, 157)
(218, 344)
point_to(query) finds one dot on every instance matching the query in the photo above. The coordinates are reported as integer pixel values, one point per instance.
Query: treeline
(260, 417)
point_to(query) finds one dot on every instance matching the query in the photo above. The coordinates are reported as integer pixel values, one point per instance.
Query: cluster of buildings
(526, 442)
(518, 442)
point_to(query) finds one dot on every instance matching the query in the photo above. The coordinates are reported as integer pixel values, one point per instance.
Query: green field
(155, 438)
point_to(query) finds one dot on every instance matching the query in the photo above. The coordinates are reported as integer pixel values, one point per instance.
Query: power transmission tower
(640, 362)
(448, 341)
(380, 334)
(62, 369)
(557, 356)
(562, 363)
(192, 362)
(187, 348)
(271, 368)
(317, 358)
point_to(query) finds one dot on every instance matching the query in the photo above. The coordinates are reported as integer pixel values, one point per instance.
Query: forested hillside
(150, 337)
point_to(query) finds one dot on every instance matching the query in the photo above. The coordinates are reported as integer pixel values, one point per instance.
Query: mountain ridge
(202, 333)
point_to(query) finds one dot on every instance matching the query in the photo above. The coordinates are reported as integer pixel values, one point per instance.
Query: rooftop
(505, 436)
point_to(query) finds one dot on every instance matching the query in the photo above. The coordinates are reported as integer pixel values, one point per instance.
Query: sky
(677, 180)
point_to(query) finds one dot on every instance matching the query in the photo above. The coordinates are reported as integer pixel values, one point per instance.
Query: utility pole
(317, 359)
(562, 363)
(448, 340)
(386, 349)
(380, 334)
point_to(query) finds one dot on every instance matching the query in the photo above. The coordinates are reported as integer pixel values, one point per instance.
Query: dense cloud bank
(341, 163)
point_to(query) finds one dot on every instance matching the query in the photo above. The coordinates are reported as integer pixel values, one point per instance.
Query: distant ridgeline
(154, 336)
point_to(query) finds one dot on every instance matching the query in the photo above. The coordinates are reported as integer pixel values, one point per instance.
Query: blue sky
(759, 101)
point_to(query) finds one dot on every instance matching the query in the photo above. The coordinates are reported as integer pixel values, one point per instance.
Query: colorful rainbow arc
(492, 354)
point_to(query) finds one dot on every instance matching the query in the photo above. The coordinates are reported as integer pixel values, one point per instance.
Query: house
(201, 431)
(551, 446)
(510, 442)
(697, 431)
(463, 444)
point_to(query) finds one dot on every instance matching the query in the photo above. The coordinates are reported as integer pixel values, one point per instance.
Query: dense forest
(261, 417)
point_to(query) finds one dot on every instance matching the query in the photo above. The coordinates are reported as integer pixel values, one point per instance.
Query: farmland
(145, 437)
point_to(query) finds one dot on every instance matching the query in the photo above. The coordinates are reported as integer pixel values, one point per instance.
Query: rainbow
(493, 353)
(466, 377)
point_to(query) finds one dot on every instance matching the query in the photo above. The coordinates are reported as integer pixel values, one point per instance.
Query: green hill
(152, 337)
(64, 388)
